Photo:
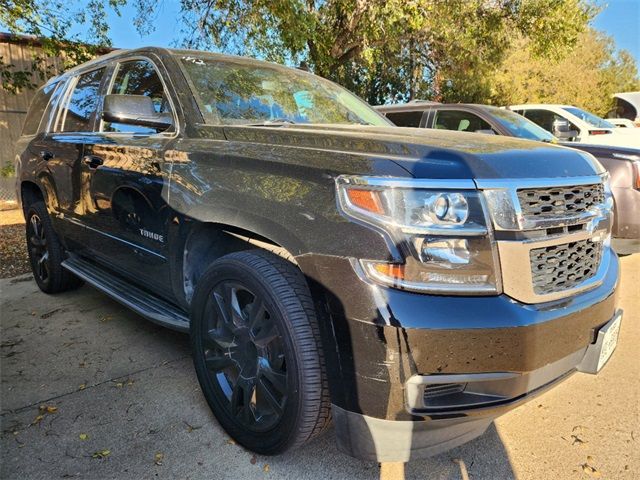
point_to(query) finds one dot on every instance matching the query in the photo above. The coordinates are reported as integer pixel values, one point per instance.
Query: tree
(587, 76)
(54, 22)
(381, 49)
(389, 49)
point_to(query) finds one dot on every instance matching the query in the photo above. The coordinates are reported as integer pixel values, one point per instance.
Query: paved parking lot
(91, 390)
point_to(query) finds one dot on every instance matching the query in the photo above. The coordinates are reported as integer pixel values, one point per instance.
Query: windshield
(519, 126)
(590, 118)
(236, 93)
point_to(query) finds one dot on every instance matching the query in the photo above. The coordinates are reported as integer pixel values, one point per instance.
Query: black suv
(410, 285)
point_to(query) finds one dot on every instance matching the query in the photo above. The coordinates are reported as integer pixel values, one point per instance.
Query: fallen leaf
(83, 436)
(253, 460)
(265, 468)
(158, 458)
(586, 468)
(577, 440)
(37, 420)
(102, 453)
(48, 409)
(191, 428)
(119, 385)
(82, 386)
(231, 442)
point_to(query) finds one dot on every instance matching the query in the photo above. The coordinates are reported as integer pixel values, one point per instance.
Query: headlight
(440, 227)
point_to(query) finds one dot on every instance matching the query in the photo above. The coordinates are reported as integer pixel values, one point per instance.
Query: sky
(621, 20)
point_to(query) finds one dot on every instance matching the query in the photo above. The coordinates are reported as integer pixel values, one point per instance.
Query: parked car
(627, 107)
(325, 262)
(573, 124)
(623, 164)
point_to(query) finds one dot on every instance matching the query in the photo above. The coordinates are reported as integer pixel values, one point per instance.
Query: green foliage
(587, 76)
(390, 49)
(383, 50)
(53, 23)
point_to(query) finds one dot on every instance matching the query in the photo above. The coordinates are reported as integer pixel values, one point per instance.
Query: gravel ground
(13, 252)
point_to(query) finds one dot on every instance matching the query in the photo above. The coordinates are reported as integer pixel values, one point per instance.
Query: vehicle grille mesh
(559, 201)
(561, 267)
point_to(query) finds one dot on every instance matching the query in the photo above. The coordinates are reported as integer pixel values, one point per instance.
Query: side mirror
(134, 110)
(562, 129)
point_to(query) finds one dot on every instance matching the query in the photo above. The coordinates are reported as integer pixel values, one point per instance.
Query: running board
(146, 304)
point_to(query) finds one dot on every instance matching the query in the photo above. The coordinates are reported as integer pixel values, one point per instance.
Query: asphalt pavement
(91, 390)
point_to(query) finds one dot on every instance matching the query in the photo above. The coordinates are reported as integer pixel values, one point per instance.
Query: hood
(428, 153)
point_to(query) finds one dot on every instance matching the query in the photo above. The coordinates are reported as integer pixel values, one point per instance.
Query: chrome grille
(560, 267)
(559, 201)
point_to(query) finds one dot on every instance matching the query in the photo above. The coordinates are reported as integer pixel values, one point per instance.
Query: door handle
(92, 161)
(46, 155)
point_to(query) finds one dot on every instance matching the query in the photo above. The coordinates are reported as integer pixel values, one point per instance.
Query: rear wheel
(257, 351)
(46, 253)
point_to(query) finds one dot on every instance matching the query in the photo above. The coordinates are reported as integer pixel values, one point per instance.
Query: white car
(622, 122)
(573, 124)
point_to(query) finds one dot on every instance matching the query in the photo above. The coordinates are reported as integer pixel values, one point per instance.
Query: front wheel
(257, 352)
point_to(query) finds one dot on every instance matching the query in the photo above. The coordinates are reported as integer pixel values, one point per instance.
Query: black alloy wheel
(257, 351)
(38, 249)
(244, 355)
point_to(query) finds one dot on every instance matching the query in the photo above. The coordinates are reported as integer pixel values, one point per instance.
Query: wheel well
(30, 193)
(210, 241)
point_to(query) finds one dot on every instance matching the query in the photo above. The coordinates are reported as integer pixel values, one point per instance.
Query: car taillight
(599, 132)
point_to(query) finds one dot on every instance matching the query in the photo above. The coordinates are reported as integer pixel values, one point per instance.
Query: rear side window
(545, 119)
(37, 108)
(138, 77)
(405, 119)
(460, 121)
(77, 115)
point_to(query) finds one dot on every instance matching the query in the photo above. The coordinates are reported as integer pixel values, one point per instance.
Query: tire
(257, 352)
(46, 253)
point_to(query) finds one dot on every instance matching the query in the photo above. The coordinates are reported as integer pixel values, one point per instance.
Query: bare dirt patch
(13, 250)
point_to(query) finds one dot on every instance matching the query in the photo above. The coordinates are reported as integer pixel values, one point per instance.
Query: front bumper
(448, 425)
(390, 340)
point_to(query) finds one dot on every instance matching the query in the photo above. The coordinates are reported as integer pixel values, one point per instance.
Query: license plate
(609, 342)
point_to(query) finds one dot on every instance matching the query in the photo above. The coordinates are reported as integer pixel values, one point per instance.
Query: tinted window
(460, 121)
(38, 106)
(138, 77)
(519, 126)
(240, 93)
(405, 119)
(78, 115)
(545, 119)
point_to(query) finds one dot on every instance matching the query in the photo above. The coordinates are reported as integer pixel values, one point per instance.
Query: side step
(146, 304)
